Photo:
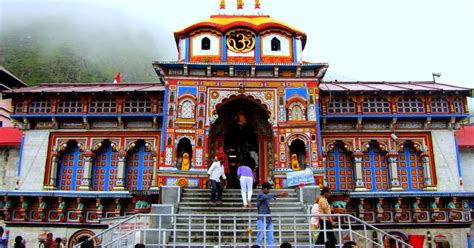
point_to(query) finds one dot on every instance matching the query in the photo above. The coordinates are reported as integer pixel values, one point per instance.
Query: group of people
(217, 179)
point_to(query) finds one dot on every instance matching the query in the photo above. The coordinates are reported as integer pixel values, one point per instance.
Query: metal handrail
(234, 228)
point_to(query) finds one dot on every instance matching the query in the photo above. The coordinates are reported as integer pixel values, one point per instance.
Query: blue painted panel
(257, 49)
(186, 43)
(224, 48)
(163, 123)
(295, 58)
(187, 89)
(296, 91)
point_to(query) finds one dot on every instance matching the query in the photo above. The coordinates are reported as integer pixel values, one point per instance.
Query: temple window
(19, 107)
(410, 105)
(104, 170)
(139, 170)
(439, 105)
(103, 105)
(297, 112)
(40, 106)
(458, 105)
(69, 105)
(375, 169)
(187, 109)
(205, 44)
(276, 44)
(375, 105)
(341, 105)
(339, 169)
(410, 169)
(70, 167)
(138, 105)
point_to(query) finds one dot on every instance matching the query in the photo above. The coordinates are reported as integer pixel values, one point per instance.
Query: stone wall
(8, 166)
(33, 164)
(30, 234)
(444, 151)
(467, 165)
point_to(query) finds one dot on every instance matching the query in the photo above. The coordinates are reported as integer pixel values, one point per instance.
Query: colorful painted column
(86, 179)
(54, 172)
(392, 165)
(120, 183)
(360, 185)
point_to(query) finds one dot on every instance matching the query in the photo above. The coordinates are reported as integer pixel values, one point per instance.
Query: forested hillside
(62, 49)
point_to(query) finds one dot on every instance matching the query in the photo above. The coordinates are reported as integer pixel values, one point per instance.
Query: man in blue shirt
(264, 223)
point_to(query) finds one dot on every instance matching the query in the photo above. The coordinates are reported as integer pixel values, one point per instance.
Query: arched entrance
(242, 132)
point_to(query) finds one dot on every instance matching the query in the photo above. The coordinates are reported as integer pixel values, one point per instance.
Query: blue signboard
(302, 177)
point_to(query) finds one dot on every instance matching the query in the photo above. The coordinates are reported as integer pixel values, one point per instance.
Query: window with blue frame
(40, 106)
(375, 170)
(439, 105)
(410, 169)
(70, 167)
(341, 104)
(410, 105)
(137, 105)
(139, 171)
(104, 170)
(70, 105)
(459, 105)
(375, 105)
(339, 169)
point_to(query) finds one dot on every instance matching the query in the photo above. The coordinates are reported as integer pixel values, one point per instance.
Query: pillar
(86, 178)
(154, 182)
(393, 167)
(359, 179)
(428, 181)
(120, 183)
(53, 174)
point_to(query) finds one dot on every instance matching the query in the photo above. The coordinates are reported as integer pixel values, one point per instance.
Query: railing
(210, 230)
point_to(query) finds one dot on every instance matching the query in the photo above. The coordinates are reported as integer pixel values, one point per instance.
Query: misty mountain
(80, 42)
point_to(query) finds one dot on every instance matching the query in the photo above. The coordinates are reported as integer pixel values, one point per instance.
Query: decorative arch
(71, 163)
(219, 97)
(348, 145)
(339, 167)
(298, 144)
(296, 108)
(410, 166)
(184, 152)
(81, 236)
(139, 168)
(375, 169)
(98, 144)
(133, 143)
(105, 166)
(186, 106)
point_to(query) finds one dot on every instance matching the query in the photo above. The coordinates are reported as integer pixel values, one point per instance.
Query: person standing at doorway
(246, 179)
(216, 172)
(264, 220)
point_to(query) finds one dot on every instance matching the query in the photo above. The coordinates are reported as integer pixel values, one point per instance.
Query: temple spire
(222, 4)
(240, 4)
(257, 4)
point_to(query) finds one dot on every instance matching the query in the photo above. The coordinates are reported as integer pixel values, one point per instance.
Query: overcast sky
(379, 40)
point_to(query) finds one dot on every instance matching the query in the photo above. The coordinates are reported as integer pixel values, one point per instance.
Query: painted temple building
(241, 88)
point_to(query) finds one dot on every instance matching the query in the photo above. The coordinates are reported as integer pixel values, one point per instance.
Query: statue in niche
(186, 162)
(295, 164)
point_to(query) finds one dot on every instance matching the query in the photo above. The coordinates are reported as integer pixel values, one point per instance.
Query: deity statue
(186, 163)
(295, 165)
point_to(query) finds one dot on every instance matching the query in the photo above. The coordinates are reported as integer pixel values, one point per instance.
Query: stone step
(228, 209)
(226, 198)
(230, 239)
(287, 225)
(237, 203)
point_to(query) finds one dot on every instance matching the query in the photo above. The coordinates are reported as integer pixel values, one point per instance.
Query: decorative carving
(240, 41)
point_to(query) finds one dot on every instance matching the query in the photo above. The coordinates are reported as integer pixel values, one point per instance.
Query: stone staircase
(239, 225)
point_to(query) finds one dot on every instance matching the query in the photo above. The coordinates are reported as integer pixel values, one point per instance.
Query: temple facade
(239, 88)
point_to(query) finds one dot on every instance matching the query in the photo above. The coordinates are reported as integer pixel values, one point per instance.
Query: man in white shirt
(215, 173)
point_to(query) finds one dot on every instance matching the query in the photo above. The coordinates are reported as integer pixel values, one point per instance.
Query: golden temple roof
(256, 23)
